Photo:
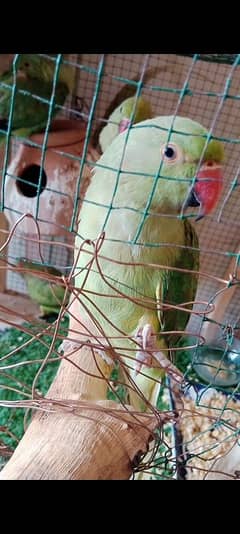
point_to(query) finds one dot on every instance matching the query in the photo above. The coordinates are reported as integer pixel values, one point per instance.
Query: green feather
(49, 295)
(34, 79)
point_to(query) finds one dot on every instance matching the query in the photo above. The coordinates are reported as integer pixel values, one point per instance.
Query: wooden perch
(84, 436)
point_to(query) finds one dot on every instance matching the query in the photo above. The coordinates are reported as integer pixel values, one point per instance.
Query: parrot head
(132, 110)
(205, 159)
(30, 267)
(176, 165)
(43, 68)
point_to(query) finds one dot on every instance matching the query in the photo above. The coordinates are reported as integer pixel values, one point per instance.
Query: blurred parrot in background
(133, 110)
(49, 295)
(34, 74)
(115, 113)
(138, 210)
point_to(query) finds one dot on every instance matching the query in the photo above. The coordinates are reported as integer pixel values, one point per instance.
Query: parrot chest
(127, 290)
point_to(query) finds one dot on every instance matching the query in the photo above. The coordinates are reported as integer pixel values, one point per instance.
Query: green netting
(97, 78)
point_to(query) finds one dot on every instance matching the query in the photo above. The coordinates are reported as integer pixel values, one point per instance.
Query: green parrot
(49, 295)
(34, 74)
(132, 109)
(132, 218)
(126, 92)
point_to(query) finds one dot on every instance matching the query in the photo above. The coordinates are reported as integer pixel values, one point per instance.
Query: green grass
(12, 418)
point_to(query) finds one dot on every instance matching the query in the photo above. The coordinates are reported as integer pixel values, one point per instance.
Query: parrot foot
(148, 339)
(168, 367)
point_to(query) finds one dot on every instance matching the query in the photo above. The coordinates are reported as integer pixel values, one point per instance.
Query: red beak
(208, 187)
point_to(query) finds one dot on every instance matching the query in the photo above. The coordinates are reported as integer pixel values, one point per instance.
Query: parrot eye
(26, 65)
(171, 153)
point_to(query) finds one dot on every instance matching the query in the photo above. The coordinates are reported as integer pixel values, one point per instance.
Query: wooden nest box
(49, 197)
(60, 175)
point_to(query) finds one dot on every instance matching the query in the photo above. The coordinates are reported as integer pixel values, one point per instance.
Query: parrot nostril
(209, 164)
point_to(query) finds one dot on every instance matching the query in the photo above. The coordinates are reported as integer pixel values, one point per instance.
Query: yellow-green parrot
(35, 75)
(137, 211)
(48, 294)
(126, 94)
(131, 111)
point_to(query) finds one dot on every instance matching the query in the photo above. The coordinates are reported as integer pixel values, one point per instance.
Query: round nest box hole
(31, 176)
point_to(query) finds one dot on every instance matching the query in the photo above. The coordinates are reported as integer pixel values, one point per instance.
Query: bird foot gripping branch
(149, 351)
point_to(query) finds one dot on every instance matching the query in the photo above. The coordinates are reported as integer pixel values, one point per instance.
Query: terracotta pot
(59, 181)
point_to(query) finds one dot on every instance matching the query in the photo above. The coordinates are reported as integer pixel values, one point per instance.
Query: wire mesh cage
(120, 316)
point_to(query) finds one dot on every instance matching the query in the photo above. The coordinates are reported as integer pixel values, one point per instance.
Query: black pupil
(169, 152)
(26, 64)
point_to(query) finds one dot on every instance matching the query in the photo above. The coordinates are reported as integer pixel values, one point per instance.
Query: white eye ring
(171, 153)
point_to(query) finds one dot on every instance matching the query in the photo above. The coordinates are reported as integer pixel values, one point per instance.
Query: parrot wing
(174, 288)
(47, 295)
(31, 110)
(31, 101)
(177, 287)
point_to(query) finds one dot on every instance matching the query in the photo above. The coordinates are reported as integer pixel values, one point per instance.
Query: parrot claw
(141, 359)
(147, 337)
(169, 367)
